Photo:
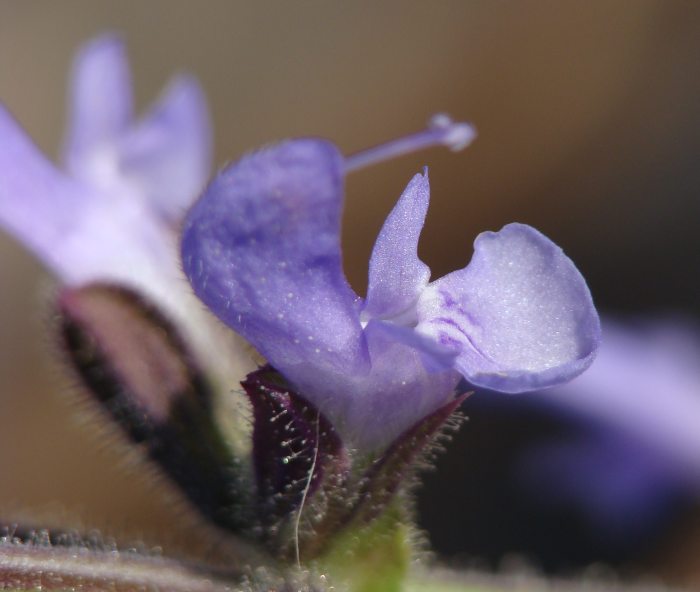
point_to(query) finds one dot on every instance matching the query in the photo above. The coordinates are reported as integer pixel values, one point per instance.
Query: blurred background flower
(589, 129)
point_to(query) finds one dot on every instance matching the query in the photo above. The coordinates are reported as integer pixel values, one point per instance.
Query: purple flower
(645, 383)
(262, 250)
(626, 452)
(111, 215)
(624, 487)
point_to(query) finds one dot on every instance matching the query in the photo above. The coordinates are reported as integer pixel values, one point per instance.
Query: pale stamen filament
(441, 131)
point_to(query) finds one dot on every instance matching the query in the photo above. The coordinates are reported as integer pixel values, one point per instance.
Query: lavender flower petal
(78, 232)
(646, 382)
(370, 410)
(520, 312)
(396, 275)
(436, 356)
(97, 224)
(168, 152)
(623, 486)
(37, 203)
(101, 100)
(636, 452)
(46, 211)
(262, 250)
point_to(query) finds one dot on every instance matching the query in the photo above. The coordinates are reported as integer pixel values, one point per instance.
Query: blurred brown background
(589, 123)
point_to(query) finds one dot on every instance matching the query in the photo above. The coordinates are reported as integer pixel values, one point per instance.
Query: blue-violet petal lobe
(520, 313)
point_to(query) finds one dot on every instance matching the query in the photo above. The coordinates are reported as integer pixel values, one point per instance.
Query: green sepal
(374, 557)
(373, 485)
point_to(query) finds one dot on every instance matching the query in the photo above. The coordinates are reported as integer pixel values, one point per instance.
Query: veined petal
(168, 153)
(100, 100)
(436, 356)
(520, 312)
(396, 275)
(262, 249)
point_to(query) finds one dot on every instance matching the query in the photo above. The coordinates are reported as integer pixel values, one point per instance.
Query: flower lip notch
(261, 249)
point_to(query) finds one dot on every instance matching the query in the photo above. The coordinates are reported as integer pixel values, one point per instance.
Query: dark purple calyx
(295, 448)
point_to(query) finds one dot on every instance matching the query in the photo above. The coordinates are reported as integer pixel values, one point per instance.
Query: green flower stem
(373, 558)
